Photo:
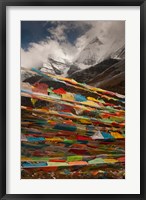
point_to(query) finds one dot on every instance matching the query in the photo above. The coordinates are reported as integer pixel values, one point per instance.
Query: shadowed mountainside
(109, 74)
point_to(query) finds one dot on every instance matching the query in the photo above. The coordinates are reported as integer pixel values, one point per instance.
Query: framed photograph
(72, 99)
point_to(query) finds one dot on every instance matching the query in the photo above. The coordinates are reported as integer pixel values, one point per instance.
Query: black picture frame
(3, 127)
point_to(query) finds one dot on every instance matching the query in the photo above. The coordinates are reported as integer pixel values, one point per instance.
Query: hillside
(71, 129)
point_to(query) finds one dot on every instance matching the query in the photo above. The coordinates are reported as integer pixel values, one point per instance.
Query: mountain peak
(95, 40)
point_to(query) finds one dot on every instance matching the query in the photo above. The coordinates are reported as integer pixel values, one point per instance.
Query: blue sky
(36, 31)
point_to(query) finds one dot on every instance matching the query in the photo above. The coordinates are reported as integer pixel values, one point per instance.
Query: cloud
(110, 33)
(58, 46)
(38, 53)
(55, 46)
(106, 31)
(58, 33)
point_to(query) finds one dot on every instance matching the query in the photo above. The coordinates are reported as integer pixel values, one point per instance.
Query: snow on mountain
(26, 73)
(55, 67)
(88, 56)
(119, 54)
(98, 50)
(95, 50)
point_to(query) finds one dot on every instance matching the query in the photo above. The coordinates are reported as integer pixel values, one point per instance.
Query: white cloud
(38, 54)
(111, 33)
(58, 33)
(106, 31)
